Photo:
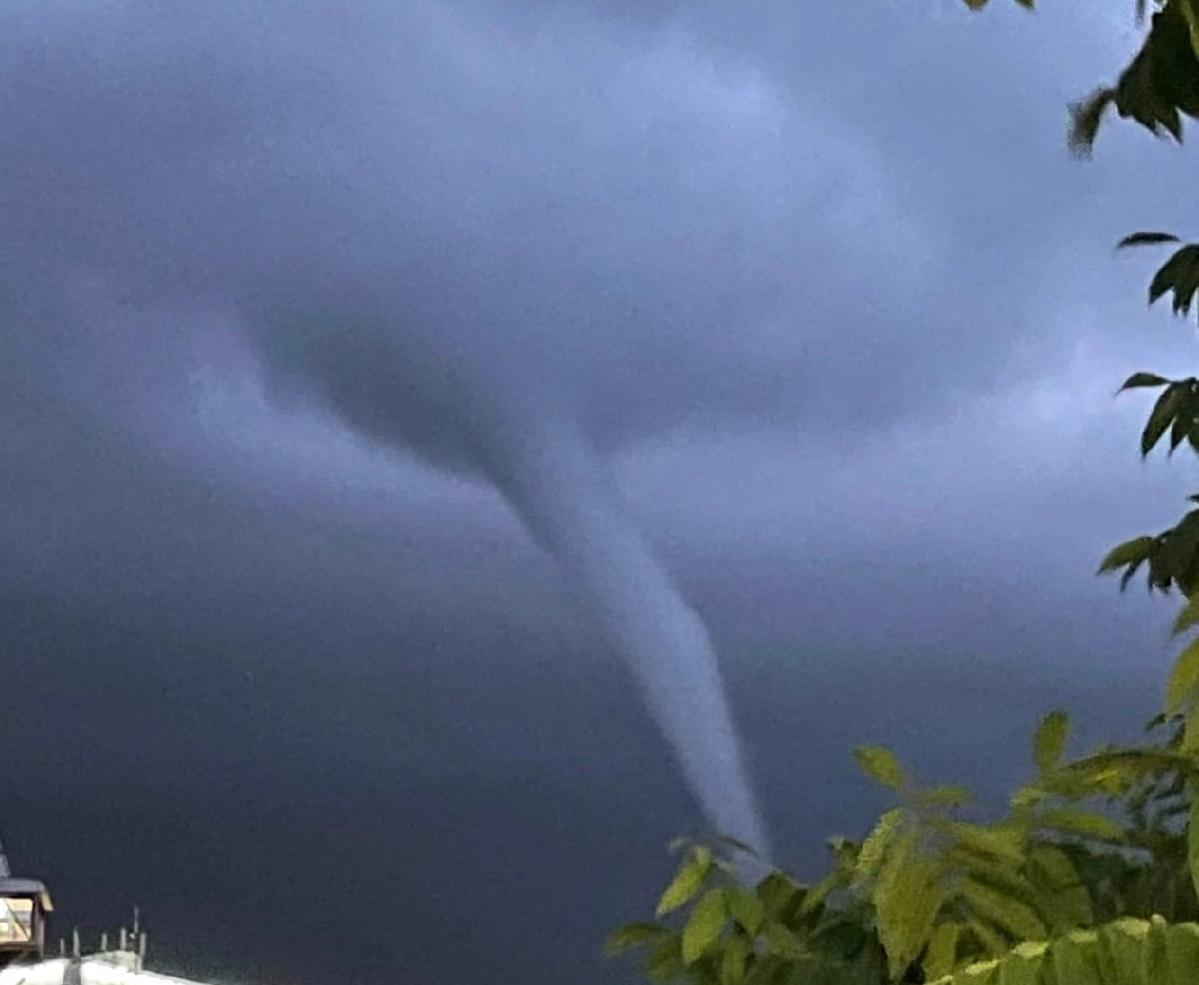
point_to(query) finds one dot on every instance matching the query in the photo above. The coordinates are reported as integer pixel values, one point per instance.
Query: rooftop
(26, 887)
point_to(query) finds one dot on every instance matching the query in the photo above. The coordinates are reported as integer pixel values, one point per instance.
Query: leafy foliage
(1158, 87)
(734, 935)
(1049, 740)
(1179, 275)
(688, 882)
(1171, 557)
(928, 893)
(880, 764)
(1146, 239)
(1152, 951)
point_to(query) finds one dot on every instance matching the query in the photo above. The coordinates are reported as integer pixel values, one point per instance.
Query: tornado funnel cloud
(467, 417)
(568, 504)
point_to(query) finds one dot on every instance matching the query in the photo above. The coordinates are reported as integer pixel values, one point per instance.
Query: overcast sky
(286, 286)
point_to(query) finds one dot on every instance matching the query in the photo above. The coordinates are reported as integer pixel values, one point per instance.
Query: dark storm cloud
(683, 218)
(647, 230)
(686, 218)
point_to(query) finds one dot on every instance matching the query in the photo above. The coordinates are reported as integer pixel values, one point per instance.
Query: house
(24, 904)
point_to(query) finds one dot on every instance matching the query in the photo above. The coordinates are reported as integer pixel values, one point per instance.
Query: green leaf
(1162, 415)
(768, 970)
(814, 896)
(991, 940)
(1180, 686)
(1031, 963)
(1053, 867)
(1083, 823)
(1190, 730)
(843, 937)
(1157, 577)
(782, 942)
(1131, 763)
(1177, 552)
(1001, 877)
(1061, 898)
(664, 963)
(1127, 576)
(1181, 429)
(1067, 909)
(1142, 380)
(846, 852)
(633, 935)
(1156, 962)
(1130, 552)
(1146, 239)
(1178, 275)
(762, 970)
(732, 962)
(870, 858)
(1187, 617)
(1187, 281)
(907, 899)
(945, 796)
(1018, 919)
(704, 925)
(780, 896)
(1126, 951)
(1086, 115)
(1001, 841)
(1122, 947)
(941, 955)
(1182, 950)
(1028, 796)
(705, 971)
(1049, 740)
(880, 763)
(687, 882)
(747, 908)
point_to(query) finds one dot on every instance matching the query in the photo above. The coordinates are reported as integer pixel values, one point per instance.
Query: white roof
(92, 971)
